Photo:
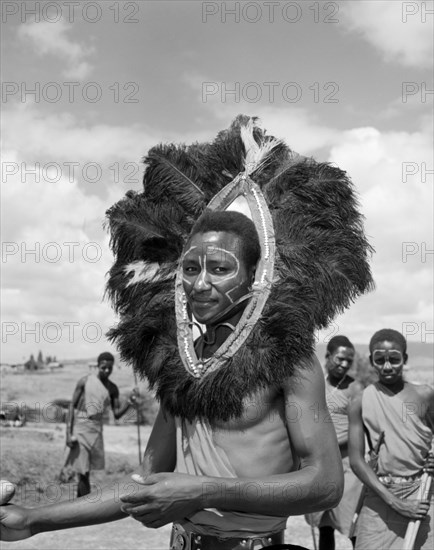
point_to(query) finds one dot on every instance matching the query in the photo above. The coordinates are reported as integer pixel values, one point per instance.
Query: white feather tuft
(142, 271)
(250, 145)
(256, 155)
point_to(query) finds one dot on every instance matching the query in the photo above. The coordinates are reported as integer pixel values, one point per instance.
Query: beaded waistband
(189, 540)
(389, 479)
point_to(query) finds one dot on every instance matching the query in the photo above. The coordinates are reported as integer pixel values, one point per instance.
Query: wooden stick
(138, 424)
(352, 532)
(373, 463)
(312, 530)
(413, 526)
(422, 494)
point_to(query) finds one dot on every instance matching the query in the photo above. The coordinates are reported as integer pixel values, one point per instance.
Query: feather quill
(256, 155)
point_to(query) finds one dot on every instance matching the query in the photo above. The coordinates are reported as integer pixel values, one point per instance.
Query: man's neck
(216, 334)
(103, 381)
(339, 383)
(214, 337)
(394, 388)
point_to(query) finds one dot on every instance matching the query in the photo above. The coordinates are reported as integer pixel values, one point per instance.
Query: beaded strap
(242, 185)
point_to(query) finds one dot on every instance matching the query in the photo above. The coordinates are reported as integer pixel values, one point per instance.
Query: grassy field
(35, 391)
(45, 386)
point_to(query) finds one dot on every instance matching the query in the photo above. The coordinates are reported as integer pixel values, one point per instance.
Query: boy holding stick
(405, 412)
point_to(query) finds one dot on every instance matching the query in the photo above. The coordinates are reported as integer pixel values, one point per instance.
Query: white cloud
(53, 267)
(391, 171)
(402, 31)
(64, 137)
(52, 39)
(397, 201)
(78, 70)
(58, 283)
(45, 288)
(296, 125)
(299, 129)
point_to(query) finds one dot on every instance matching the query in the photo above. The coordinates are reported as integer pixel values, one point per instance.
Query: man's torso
(402, 416)
(257, 443)
(83, 404)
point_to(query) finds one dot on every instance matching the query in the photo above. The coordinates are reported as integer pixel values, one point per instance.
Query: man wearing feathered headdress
(233, 256)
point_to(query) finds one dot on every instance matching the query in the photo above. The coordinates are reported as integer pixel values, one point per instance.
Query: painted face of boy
(215, 274)
(389, 359)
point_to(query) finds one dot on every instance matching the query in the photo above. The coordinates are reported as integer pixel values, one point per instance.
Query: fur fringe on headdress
(321, 265)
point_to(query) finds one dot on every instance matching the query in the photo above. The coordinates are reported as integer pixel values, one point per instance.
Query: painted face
(388, 358)
(339, 362)
(214, 274)
(105, 368)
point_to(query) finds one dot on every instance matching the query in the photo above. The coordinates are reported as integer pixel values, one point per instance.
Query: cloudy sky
(88, 89)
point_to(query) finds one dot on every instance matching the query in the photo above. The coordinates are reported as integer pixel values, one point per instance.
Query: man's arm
(18, 523)
(118, 410)
(79, 389)
(160, 454)
(354, 390)
(317, 485)
(427, 394)
(412, 508)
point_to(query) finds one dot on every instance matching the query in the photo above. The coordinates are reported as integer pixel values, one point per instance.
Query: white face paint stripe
(201, 276)
(233, 256)
(184, 280)
(233, 290)
(221, 279)
(189, 250)
(228, 277)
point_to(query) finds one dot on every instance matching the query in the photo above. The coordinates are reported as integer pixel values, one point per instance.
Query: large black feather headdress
(321, 264)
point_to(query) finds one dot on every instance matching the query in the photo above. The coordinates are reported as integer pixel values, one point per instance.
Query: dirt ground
(127, 533)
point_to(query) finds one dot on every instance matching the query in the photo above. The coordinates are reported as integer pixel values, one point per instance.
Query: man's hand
(14, 524)
(134, 395)
(163, 498)
(413, 509)
(71, 441)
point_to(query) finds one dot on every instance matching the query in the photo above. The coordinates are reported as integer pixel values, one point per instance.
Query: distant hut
(31, 364)
(53, 365)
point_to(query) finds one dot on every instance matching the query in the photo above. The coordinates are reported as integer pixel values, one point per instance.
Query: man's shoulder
(308, 375)
(355, 387)
(82, 381)
(112, 389)
(368, 391)
(372, 387)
